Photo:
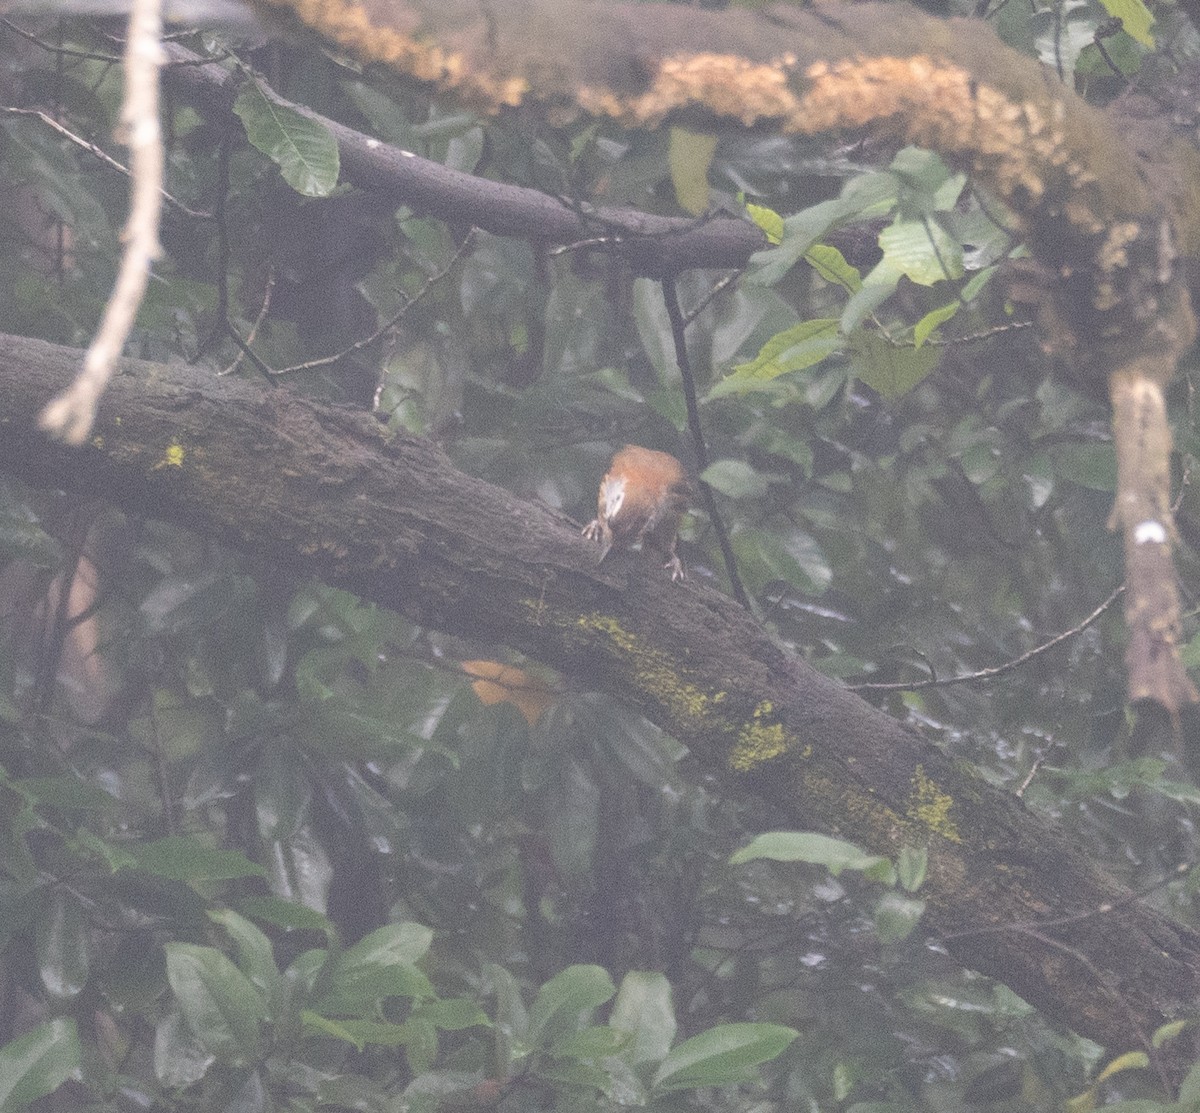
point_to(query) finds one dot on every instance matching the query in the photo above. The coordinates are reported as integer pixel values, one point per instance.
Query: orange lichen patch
(398, 44)
(500, 683)
(1015, 147)
(1112, 253)
(351, 26)
(727, 85)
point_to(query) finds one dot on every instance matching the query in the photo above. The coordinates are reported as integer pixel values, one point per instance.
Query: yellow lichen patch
(654, 673)
(929, 806)
(172, 458)
(759, 741)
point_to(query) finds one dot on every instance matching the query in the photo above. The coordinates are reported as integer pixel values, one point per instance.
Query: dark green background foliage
(262, 846)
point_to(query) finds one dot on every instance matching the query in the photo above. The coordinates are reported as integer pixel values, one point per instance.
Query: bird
(642, 498)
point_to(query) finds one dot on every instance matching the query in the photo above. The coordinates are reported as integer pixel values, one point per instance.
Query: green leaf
(911, 867)
(304, 149)
(931, 320)
(722, 1055)
(1164, 1033)
(22, 536)
(971, 290)
(285, 914)
(644, 1009)
(801, 846)
(896, 916)
(186, 859)
(689, 156)
(654, 327)
(63, 949)
(596, 1042)
(573, 1074)
(256, 956)
(863, 196)
(220, 1004)
(362, 1032)
(793, 556)
(179, 1057)
(37, 1063)
(793, 349)
(452, 1015)
(566, 1000)
(1135, 17)
(1131, 1060)
(1189, 1088)
(735, 479)
(378, 966)
(768, 220)
(67, 792)
(800, 232)
(512, 1018)
(831, 265)
(921, 250)
(890, 369)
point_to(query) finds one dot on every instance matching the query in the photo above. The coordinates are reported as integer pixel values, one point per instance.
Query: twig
(61, 51)
(678, 325)
(99, 153)
(263, 310)
(71, 414)
(407, 304)
(718, 287)
(995, 670)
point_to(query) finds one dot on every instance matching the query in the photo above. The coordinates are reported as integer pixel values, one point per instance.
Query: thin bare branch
(71, 414)
(995, 670)
(99, 153)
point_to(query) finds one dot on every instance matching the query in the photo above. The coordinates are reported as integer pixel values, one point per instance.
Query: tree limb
(327, 492)
(652, 245)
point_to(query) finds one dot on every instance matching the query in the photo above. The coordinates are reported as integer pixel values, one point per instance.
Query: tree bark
(328, 492)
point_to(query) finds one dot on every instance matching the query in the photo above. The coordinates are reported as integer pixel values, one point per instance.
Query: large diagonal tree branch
(329, 493)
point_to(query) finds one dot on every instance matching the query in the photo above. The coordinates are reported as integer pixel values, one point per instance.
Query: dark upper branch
(328, 492)
(652, 245)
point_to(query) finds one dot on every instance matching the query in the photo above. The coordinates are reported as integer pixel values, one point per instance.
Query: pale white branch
(71, 414)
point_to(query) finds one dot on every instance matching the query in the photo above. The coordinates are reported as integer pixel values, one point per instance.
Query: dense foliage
(263, 846)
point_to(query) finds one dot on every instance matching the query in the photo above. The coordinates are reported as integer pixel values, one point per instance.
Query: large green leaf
(37, 1063)
(689, 157)
(1135, 18)
(806, 846)
(63, 948)
(794, 349)
(255, 955)
(304, 149)
(566, 1000)
(891, 369)
(378, 966)
(221, 1005)
(180, 858)
(722, 1055)
(644, 1009)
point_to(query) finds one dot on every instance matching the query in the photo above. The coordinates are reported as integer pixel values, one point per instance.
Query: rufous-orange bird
(642, 499)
